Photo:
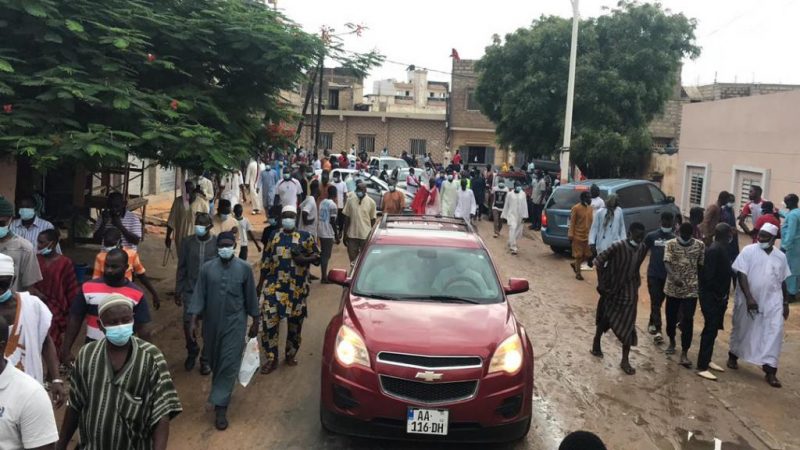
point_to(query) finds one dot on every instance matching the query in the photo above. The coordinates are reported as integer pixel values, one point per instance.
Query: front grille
(429, 393)
(430, 362)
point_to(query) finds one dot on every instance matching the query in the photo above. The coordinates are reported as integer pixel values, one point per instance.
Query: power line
(406, 64)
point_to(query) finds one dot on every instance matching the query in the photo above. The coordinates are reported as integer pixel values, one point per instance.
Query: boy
(112, 238)
(245, 230)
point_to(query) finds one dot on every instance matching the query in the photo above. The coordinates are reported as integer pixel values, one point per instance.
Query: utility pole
(573, 53)
(319, 103)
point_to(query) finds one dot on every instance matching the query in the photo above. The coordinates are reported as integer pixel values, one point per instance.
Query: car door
(636, 202)
(661, 204)
(375, 192)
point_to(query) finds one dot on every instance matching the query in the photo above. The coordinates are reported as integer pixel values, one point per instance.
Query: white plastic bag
(251, 360)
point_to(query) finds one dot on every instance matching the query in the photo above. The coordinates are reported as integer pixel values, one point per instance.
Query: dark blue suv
(640, 200)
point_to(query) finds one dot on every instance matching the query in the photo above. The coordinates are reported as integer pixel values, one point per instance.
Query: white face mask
(765, 245)
(633, 243)
(729, 205)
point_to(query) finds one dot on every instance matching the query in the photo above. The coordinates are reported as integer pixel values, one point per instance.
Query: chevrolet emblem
(428, 376)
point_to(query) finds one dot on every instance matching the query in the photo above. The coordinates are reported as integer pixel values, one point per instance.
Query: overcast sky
(741, 40)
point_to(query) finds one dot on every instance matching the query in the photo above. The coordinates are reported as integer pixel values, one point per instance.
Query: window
(418, 147)
(333, 99)
(408, 94)
(658, 196)
(635, 196)
(744, 181)
(431, 94)
(326, 141)
(472, 103)
(366, 143)
(694, 187)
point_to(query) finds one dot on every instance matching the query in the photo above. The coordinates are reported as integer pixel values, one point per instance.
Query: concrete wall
(730, 140)
(395, 133)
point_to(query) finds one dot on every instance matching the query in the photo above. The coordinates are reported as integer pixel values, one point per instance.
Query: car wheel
(560, 250)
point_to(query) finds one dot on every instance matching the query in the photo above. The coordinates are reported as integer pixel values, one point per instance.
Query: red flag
(454, 55)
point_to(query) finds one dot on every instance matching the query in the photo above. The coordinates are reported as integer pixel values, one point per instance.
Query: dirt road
(658, 408)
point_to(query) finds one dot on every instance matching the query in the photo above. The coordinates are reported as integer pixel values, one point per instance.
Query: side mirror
(516, 286)
(339, 276)
(670, 199)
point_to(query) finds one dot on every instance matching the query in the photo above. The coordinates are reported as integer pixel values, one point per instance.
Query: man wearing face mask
(181, 215)
(91, 295)
(655, 243)
(499, 194)
(618, 283)
(29, 225)
(580, 223)
(268, 182)
(394, 202)
(28, 347)
(285, 281)
(790, 242)
(683, 259)
(761, 305)
(27, 272)
(449, 195)
(112, 240)
(121, 392)
(59, 284)
(224, 220)
(195, 251)
(289, 190)
(224, 295)
(466, 207)
(515, 211)
(359, 217)
(118, 216)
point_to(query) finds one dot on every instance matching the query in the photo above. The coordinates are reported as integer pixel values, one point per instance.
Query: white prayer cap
(114, 300)
(769, 228)
(289, 208)
(6, 265)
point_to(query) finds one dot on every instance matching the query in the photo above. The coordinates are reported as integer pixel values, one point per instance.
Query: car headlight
(508, 356)
(350, 348)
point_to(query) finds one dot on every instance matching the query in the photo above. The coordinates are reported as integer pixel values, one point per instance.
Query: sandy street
(658, 408)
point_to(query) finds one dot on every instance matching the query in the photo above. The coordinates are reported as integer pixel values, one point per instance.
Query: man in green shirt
(121, 391)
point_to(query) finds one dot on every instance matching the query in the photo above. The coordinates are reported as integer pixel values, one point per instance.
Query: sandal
(773, 381)
(269, 367)
(627, 369)
(596, 353)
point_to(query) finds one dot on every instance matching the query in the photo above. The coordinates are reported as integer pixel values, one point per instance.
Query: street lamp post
(573, 53)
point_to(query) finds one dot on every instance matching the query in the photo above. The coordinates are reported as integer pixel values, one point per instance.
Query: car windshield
(428, 273)
(568, 196)
(392, 163)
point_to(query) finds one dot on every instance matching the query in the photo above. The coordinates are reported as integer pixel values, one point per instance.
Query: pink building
(733, 144)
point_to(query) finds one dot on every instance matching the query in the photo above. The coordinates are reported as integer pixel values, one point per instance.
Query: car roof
(426, 231)
(607, 183)
(381, 158)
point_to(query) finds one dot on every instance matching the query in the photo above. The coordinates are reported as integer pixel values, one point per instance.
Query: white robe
(465, 206)
(758, 340)
(603, 236)
(231, 191)
(449, 197)
(515, 211)
(252, 177)
(29, 336)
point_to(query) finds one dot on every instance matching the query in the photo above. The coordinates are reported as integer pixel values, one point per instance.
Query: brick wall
(464, 79)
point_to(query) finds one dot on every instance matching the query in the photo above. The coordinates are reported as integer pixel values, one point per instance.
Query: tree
(627, 61)
(187, 83)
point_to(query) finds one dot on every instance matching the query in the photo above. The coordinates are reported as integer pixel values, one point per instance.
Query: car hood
(430, 328)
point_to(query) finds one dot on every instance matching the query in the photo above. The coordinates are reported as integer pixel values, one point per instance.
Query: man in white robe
(252, 179)
(465, 204)
(761, 305)
(449, 195)
(229, 184)
(515, 211)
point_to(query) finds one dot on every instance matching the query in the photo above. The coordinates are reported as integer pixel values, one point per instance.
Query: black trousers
(713, 310)
(536, 219)
(681, 310)
(655, 286)
(243, 253)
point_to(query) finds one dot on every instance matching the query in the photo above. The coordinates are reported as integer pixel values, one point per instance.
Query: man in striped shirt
(118, 216)
(92, 295)
(122, 395)
(618, 284)
(29, 225)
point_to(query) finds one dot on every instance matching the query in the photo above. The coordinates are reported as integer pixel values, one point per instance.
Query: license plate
(427, 421)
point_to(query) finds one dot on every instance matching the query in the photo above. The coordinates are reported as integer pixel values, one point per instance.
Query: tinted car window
(658, 196)
(408, 272)
(635, 196)
(567, 197)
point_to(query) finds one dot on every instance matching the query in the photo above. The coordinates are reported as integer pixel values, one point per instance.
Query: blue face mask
(45, 251)
(288, 224)
(224, 217)
(360, 194)
(666, 230)
(200, 230)
(6, 296)
(119, 335)
(517, 189)
(225, 252)
(3, 231)
(287, 176)
(27, 213)
(272, 222)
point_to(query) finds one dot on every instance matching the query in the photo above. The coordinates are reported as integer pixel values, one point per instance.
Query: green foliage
(626, 71)
(187, 83)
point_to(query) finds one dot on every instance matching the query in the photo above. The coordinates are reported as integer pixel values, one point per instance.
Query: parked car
(425, 344)
(509, 178)
(376, 164)
(375, 186)
(640, 200)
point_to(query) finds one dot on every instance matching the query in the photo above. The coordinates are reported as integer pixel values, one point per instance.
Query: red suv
(425, 344)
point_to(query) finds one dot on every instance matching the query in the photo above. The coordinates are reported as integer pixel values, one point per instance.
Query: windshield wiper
(376, 296)
(446, 299)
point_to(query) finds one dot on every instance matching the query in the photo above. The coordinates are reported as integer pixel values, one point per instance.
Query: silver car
(375, 186)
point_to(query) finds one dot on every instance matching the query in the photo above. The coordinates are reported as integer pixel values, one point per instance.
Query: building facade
(735, 143)
(415, 95)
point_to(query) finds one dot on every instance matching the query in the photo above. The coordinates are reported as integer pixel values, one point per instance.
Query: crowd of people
(692, 262)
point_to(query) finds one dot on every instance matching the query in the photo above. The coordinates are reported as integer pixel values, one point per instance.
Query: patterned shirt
(685, 261)
(92, 294)
(287, 283)
(131, 221)
(121, 410)
(135, 265)
(32, 234)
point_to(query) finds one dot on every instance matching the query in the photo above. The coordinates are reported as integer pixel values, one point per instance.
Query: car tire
(560, 250)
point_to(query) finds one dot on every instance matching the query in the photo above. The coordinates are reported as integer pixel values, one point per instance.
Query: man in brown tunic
(580, 222)
(618, 285)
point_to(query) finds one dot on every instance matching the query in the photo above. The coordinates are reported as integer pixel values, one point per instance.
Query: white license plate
(427, 421)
